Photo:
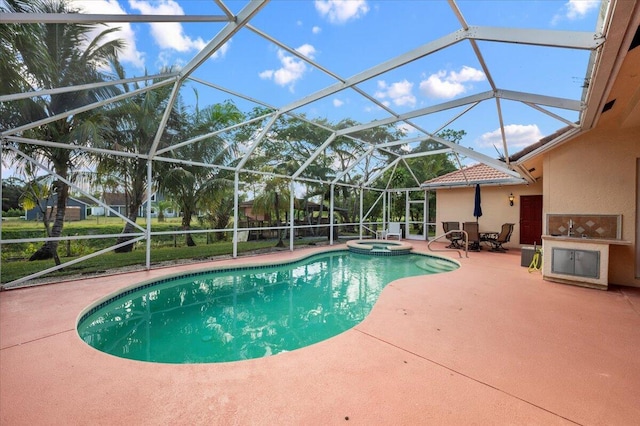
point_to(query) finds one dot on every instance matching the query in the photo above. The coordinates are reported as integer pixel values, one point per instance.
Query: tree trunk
(279, 231)
(134, 197)
(50, 248)
(221, 222)
(128, 229)
(186, 225)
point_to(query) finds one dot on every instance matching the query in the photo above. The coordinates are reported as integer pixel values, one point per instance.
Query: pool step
(435, 265)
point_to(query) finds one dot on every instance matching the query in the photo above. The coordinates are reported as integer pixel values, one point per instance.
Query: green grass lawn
(109, 261)
(164, 248)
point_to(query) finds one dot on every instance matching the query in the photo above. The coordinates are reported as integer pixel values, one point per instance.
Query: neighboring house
(118, 202)
(455, 195)
(76, 209)
(246, 210)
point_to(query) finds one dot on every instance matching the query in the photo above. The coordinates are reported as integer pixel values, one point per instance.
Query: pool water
(246, 313)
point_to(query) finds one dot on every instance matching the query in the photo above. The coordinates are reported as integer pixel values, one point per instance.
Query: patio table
(489, 235)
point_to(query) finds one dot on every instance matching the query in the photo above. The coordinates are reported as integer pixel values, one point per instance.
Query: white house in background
(118, 201)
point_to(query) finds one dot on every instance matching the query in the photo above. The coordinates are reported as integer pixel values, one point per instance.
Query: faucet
(570, 230)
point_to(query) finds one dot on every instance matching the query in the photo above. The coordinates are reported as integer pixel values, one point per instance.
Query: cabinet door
(587, 263)
(562, 261)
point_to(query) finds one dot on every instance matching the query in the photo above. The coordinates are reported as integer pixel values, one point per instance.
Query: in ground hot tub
(379, 247)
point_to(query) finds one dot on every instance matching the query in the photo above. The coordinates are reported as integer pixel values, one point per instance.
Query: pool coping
(363, 246)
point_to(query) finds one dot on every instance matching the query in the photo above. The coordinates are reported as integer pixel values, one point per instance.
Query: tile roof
(470, 175)
(114, 198)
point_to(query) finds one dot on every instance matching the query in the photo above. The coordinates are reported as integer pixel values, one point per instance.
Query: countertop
(610, 241)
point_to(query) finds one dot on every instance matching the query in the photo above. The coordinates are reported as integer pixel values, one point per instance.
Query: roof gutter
(503, 182)
(565, 137)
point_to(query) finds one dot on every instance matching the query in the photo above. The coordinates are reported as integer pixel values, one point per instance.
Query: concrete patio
(489, 343)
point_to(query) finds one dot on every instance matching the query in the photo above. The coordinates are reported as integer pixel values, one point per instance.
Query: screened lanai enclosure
(284, 120)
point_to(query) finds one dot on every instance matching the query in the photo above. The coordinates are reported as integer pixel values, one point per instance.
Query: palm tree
(36, 194)
(47, 56)
(273, 200)
(194, 187)
(135, 123)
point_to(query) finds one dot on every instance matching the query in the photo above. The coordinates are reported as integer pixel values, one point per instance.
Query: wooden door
(531, 219)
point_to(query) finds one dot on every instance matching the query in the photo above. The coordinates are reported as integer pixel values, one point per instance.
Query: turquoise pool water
(245, 313)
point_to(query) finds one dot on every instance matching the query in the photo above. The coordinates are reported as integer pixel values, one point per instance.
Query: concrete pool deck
(489, 343)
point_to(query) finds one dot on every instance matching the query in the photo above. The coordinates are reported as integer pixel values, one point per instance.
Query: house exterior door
(531, 219)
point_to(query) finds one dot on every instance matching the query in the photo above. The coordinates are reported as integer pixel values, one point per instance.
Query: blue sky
(348, 37)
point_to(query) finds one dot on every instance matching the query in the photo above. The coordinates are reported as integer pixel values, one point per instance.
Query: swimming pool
(249, 312)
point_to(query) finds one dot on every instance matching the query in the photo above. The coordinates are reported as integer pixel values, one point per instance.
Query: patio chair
(502, 238)
(473, 234)
(456, 237)
(393, 229)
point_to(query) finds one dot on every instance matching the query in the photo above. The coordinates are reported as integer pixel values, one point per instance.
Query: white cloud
(307, 50)
(400, 93)
(337, 103)
(341, 11)
(316, 29)
(130, 53)
(165, 59)
(518, 136)
(168, 35)
(405, 128)
(292, 68)
(443, 85)
(575, 9)
(222, 50)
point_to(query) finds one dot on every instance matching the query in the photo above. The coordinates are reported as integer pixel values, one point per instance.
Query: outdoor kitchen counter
(576, 260)
(609, 241)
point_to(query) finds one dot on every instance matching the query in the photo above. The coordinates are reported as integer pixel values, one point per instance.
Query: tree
(195, 187)
(432, 166)
(134, 123)
(161, 206)
(37, 194)
(272, 201)
(12, 189)
(47, 56)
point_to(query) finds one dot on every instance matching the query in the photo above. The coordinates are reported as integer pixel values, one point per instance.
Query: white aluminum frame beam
(60, 145)
(48, 92)
(95, 18)
(581, 40)
(85, 108)
(257, 141)
(315, 155)
(232, 27)
(70, 184)
(403, 59)
(208, 135)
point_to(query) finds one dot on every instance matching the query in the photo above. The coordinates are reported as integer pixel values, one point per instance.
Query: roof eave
(493, 182)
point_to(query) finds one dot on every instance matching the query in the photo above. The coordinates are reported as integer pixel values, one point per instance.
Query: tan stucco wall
(456, 204)
(596, 174)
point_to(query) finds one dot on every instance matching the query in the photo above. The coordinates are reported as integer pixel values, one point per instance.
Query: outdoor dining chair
(455, 238)
(502, 238)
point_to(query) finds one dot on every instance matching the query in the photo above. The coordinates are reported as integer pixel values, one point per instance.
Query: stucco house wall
(456, 204)
(596, 173)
